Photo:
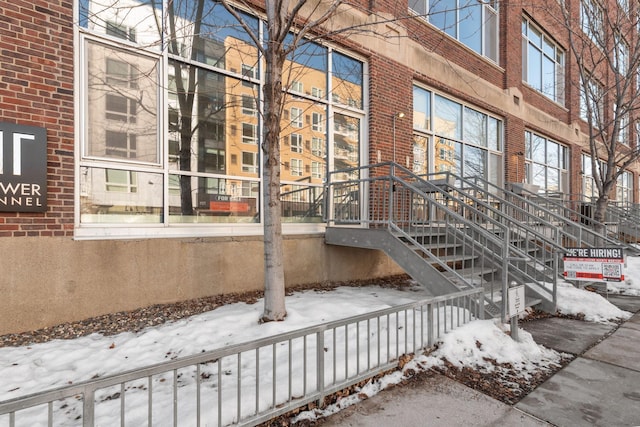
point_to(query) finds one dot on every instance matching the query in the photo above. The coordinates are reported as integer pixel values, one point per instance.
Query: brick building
(150, 133)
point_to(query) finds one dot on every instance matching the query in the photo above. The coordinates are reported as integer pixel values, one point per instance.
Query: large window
(592, 102)
(621, 54)
(197, 157)
(453, 137)
(542, 62)
(591, 21)
(589, 187)
(624, 188)
(472, 22)
(546, 163)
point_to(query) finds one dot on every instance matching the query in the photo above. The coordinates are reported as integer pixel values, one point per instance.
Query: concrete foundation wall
(48, 281)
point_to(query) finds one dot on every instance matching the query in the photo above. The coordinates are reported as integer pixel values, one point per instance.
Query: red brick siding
(36, 89)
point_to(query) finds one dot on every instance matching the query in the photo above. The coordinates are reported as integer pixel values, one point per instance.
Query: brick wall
(391, 92)
(36, 89)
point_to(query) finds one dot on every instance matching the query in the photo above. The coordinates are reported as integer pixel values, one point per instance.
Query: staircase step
(434, 246)
(470, 272)
(532, 302)
(446, 259)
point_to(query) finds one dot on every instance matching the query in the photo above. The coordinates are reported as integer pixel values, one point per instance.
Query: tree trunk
(274, 292)
(186, 197)
(600, 212)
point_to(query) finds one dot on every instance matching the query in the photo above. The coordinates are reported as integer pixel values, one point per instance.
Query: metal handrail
(570, 229)
(331, 356)
(385, 199)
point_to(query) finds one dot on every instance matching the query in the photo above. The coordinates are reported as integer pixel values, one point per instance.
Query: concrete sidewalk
(600, 387)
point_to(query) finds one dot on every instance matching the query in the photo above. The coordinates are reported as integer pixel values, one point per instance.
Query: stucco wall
(49, 281)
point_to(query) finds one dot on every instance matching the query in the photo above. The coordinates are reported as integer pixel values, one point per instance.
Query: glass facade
(546, 163)
(473, 23)
(542, 62)
(449, 136)
(172, 116)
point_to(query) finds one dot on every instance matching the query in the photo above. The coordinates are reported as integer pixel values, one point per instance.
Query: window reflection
(121, 118)
(546, 163)
(347, 81)
(346, 143)
(464, 141)
(117, 195)
(130, 20)
(209, 150)
(215, 200)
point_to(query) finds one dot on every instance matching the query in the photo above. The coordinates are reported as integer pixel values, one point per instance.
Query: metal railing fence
(250, 383)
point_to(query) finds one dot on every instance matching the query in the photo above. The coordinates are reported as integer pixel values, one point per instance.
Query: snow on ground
(629, 286)
(37, 367)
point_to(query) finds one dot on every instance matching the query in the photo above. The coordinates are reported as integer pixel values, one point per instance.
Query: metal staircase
(575, 218)
(443, 238)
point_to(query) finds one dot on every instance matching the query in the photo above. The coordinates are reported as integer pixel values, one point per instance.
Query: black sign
(23, 168)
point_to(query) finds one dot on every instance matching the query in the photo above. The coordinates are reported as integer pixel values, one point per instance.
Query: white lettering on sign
(20, 189)
(17, 151)
(594, 253)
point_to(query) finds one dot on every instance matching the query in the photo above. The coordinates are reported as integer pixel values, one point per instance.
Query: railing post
(430, 337)
(88, 408)
(320, 367)
(505, 270)
(555, 280)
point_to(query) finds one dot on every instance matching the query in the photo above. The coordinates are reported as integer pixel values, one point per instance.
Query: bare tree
(197, 38)
(286, 29)
(605, 48)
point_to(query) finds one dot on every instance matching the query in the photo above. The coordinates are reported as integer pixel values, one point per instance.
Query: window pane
(553, 180)
(491, 34)
(549, 78)
(308, 66)
(443, 14)
(420, 154)
(347, 80)
(475, 127)
(470, 25)
(121, 118)
(538, 149)
(214, 200)
(447, 155)
(418, 6)
(120, 196)
(534, 64)
(553, 156)
(346, 142)
(301, 203)
(494, 134)
(421, 108)
(538, 177)
(213, 124)
(475, 162)
(221, 41)
(447, 117)
(126, 20)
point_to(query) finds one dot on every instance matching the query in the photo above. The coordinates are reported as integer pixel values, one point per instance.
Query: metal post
(320, 366)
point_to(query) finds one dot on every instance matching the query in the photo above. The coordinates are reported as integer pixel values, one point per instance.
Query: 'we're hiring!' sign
(594, 264)
(23, 168)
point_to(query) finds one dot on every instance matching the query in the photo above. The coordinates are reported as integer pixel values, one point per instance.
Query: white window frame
(488, 21)
(296, 143)
(317, 122)
(296, 115)
(297, 167)
(250, 167)
(556, 90)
